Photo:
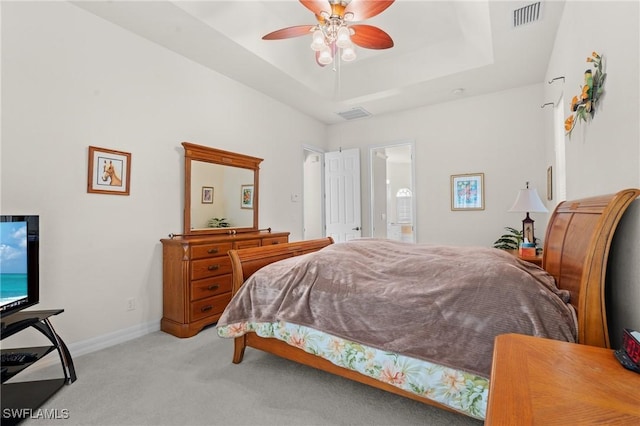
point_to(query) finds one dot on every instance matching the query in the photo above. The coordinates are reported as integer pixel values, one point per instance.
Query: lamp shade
(325, 57)
(528, 201)
(343, 37)
(348, 54)
(317, 40)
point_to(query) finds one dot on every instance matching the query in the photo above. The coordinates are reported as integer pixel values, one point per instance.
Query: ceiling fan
(334, 31)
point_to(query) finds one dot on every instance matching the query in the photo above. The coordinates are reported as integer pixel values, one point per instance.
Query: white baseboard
(99, 342)
(114, 338)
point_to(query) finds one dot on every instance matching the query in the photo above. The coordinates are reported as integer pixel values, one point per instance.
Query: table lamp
(528, 201)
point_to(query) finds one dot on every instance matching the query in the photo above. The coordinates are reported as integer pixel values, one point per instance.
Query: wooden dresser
(196, 276)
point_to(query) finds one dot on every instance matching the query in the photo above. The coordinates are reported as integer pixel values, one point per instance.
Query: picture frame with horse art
(109, 171)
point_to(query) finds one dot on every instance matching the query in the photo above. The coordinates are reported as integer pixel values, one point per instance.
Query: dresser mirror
(221, 191)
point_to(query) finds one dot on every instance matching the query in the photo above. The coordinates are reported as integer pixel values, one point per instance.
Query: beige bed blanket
(441, 304)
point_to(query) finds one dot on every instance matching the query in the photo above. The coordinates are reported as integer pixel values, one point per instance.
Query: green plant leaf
(509, 241)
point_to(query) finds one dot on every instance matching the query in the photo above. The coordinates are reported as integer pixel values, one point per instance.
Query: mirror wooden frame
(193, 152)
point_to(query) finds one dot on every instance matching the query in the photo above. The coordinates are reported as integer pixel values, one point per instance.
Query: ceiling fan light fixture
(332, 34)
(343, 37)
(348, 54)
(318, 40)
(325, 57)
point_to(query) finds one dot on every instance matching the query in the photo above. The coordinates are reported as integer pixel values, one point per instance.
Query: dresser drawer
(209, 250)
(209, 306)
(205, 268)
(274, 240)
(210, 287)
(247, 244)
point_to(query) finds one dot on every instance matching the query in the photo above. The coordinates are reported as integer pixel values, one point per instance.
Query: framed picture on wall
(467, 191)
(109, 171)
(246, 196)
(207, 195)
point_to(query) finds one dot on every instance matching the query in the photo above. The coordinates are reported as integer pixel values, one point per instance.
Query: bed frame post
(239, 343)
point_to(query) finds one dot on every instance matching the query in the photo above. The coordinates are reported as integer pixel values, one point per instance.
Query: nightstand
(546, 382)
(536, 260)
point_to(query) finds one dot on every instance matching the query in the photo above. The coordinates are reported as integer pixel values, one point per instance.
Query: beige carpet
(159, 379)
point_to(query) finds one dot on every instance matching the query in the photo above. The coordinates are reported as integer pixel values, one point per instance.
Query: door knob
(357, 228)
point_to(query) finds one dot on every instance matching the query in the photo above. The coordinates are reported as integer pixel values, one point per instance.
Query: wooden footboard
(245, 262)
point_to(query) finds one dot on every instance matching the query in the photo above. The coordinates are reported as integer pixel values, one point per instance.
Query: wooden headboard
(576, 250)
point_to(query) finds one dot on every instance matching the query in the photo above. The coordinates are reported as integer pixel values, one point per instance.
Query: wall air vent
(354, 113)
(526, 15)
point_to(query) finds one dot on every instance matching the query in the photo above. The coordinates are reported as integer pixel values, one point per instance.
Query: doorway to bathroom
(393, 195)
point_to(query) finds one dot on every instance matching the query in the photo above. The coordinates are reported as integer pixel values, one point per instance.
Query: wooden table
(536, 260)
(538, 381)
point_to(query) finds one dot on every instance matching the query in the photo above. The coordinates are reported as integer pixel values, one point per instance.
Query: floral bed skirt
(459, 390)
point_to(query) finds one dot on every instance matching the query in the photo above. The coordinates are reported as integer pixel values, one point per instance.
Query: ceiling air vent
(526, 15)
(354, 113)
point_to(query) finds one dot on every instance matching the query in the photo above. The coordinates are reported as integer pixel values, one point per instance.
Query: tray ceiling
(440, 47)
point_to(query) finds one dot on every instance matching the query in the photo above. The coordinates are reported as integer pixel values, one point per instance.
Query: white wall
(603, 156)
(499, 134)
(70, 80)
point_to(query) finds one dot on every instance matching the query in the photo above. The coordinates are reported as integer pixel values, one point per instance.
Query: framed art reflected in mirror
(246, 196)
(207, 195)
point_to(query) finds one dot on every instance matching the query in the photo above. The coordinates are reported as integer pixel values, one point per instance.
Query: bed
(277, 288)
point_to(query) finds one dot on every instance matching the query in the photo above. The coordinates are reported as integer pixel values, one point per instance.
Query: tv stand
(21, 399)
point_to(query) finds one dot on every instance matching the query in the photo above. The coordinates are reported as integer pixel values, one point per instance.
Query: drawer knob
(213, 267)
(212, 251)
(213, 287)
(274, 242)
(206, 308)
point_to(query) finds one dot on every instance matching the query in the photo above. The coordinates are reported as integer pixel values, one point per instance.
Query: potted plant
(216, 222)
(510, 240)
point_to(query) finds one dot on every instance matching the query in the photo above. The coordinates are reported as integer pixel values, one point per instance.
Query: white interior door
(342, 201)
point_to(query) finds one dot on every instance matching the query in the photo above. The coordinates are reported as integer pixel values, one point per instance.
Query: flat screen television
(19, 268)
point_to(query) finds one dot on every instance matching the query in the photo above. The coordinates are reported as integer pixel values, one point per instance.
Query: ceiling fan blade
(297, 31)
(370, 37)
(364, 9)
(316, 6)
